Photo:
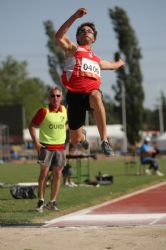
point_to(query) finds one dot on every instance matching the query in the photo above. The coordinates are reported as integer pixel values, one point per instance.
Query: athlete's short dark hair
(89, 24)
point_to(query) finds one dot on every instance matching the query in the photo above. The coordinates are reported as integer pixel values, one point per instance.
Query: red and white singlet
(81, 72)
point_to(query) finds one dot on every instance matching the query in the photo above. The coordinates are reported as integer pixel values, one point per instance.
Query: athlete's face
(55, 98)
(85, 35)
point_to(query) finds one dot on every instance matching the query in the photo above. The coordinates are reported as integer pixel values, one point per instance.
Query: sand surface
(83, 238)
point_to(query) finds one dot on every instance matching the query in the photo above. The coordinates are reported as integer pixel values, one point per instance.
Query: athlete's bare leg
(96, 104)
(76, 136)
(42, 181)
(56, 182)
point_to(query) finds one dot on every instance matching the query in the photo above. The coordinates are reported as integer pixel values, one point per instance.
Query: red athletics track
(145, 207)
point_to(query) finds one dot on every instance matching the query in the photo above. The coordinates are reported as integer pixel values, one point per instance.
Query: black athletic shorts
(78, 104)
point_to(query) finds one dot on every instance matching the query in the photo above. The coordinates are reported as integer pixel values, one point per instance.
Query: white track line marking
(114, 217)
(82, 214)
(163, 216)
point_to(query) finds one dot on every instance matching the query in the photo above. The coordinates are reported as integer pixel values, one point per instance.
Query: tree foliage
(150, 120)
(55, 56)
(17, 88)
(130, 76)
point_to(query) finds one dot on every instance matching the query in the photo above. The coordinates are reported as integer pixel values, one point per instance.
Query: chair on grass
(130, 167)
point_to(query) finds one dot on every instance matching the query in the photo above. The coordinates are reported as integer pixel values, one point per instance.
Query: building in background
(12, 116)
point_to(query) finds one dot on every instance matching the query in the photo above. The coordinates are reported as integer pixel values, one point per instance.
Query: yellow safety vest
(53, 129)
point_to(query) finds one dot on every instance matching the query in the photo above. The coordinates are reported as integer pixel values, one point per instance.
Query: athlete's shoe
(52, 205)
(85, 143)
(40, 206)
(106, 148)
(70, 185)
(159, 173)
(148, 172)
(73, 184)
(67, 185)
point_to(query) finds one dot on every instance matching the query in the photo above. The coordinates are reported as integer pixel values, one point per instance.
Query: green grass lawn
(22, 211)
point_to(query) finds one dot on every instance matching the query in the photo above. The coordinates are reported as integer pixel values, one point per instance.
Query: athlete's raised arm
(61, 37)
(108, 65)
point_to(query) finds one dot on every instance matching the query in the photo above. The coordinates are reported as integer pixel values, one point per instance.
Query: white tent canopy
(26, 134)
(114, 131)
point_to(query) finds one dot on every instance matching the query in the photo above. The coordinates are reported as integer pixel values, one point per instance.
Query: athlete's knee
(75, 140)
(95, 94)
(42, 177)
(57, 173)
(95, 97)
(76, 136)
(43, 172)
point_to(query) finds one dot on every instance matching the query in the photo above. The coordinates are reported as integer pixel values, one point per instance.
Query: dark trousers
(153, 164)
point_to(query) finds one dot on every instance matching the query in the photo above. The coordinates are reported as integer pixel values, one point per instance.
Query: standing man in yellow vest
(51, 121)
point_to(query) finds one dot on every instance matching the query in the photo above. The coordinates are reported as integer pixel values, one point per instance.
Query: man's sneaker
(148, 171)
(85, 143)
(159, 173)
(52, 205)
(73, 184)
(68, 185)
(40, 206)
(106, 148)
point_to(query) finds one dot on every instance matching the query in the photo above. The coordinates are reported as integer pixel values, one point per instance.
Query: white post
(161, 122)
(124, 117)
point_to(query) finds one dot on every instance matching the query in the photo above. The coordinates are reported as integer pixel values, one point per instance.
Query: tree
(17, 88)
(130, 76)
(111, 113)
(32, 95)
(55, 56)
(151, 120)
(12, 75)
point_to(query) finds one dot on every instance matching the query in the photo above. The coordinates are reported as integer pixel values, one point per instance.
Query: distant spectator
(147, 154)
(67, 176)
(14, 154)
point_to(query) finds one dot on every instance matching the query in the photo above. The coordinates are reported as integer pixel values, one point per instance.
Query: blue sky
(23, 36)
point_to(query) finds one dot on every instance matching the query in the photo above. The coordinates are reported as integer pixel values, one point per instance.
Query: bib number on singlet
(90, 68)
